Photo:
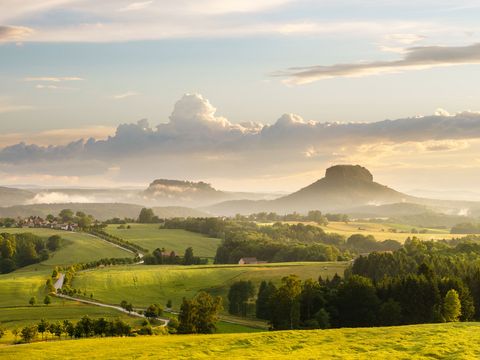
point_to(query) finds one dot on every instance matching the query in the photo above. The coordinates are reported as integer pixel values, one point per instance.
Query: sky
(247, 95)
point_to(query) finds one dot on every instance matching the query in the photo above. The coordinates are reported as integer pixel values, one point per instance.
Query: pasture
(77, 247)
(386, 231)
(150, 236)
(145, 285)
(432, 341)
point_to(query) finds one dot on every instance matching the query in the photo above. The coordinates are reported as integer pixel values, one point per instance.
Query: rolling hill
(433, 341)
(346, 189)
(11, 196)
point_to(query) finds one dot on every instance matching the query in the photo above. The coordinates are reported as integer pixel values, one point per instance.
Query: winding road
(115, 307)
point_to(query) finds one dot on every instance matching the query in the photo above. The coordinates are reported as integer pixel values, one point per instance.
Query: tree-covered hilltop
(279, 242)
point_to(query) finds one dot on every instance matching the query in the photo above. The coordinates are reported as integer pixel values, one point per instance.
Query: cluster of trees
(358, 302)
(240, 295)
(279, 242)
(161, 256)
(147, 216)
(466, 228)
(360, 243)
(7, 222)
(67, 216)
(200, 314)
(312, 215)
(18, 250)
(84, 328)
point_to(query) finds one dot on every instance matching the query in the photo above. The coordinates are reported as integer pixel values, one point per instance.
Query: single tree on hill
(189, 258)
(452, 308)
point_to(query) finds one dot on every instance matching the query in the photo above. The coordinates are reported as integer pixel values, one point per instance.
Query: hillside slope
(343, 187)
(433, 341)
(100, 211)
(347, 189)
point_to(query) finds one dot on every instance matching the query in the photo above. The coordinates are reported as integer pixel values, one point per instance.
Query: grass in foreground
(144, 285)
(150, 236)
(433, 341)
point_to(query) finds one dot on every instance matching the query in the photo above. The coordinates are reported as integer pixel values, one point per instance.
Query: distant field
(433, 341)
(144, 285)
(383, 231)
(151, 237)
(77, 247)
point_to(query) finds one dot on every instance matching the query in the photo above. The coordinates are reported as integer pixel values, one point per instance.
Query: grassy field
(151, 237)
(18, 287)
(435, 341)
(144, 285)
(77, 247)
(383, 231)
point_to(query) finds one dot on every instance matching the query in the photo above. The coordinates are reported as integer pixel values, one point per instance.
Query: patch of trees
(162, 257)
(367, 243)
(84, 328)
(19, 250)
(200, 314)
(240, 295)
(147, 216)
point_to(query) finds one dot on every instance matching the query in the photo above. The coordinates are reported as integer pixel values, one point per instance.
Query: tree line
(84, 328)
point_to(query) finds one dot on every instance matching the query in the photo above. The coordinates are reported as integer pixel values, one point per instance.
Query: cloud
(57, 136)
(14, 33)
(53, 78)
(136, 6)
(6, 106)
(60, 198)
(415, 58)
(197, 143)
(125, 95)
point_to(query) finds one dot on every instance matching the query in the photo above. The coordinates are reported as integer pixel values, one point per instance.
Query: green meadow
(150, 236)
(144, 285)
(77, 247)
(432, 341)
(383, 231)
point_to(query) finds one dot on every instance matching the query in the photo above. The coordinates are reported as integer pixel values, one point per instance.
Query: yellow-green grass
(143, 285)
(16, 317)
(382, 231)
(18, 287)
(77, 247)
(433, 341)
(151, 237)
